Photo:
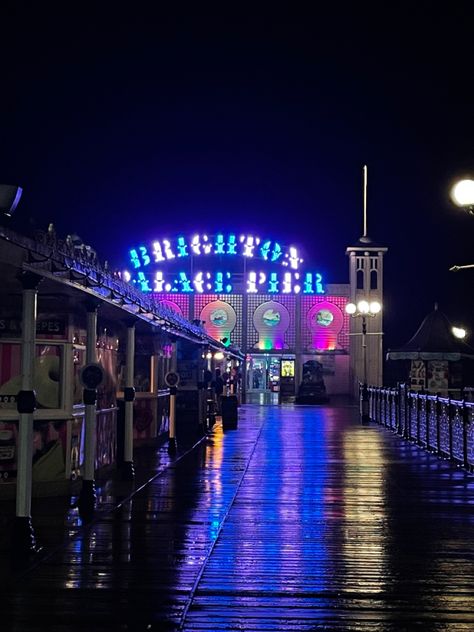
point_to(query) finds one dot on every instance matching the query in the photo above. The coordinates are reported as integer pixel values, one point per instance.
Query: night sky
(126, 126)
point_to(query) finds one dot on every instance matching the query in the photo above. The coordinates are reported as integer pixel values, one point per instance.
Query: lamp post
(462, 195)
(459, 332)
(364, 309)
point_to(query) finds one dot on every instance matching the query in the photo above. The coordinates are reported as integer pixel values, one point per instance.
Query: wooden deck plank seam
(218, 532)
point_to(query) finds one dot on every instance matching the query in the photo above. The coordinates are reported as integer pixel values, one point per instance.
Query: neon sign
(202, 245)
(225, 282)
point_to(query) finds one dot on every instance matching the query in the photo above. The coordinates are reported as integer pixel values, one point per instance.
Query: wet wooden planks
(340, 526)
(300, 520)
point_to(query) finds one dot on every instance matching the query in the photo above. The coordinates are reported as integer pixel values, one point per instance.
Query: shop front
(252, 293)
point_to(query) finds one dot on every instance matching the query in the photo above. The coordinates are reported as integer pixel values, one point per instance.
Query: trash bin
(229, 412)
(210, 412)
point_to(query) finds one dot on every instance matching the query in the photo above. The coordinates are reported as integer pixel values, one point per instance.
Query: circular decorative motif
(324, 317)
(92, 375)
(172, 379)
(271, 317)
(218, 317)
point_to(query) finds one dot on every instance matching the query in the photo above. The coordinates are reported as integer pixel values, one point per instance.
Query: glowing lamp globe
(375, 307)
(363, 307)
(462, 193)
(351, 308)
(459, 332)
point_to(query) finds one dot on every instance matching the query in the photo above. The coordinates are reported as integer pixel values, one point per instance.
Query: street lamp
(462, 194)
(459, 332)
(364, 309)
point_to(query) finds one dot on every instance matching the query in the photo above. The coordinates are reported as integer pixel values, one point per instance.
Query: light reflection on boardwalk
(302, 519)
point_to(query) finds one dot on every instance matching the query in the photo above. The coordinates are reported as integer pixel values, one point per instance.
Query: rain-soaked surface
(302, 519)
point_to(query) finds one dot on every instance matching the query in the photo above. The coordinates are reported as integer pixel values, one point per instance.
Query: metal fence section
(441, 425)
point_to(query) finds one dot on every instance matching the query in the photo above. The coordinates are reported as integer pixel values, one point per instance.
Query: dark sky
(125, 126)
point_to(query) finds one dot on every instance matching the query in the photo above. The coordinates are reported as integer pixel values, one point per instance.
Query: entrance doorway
(263, 373)
(270, 378)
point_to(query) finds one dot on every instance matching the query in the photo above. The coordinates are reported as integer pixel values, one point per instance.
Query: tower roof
(366, 243)
(433, 340)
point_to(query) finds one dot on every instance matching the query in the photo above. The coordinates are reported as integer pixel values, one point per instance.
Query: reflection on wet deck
(262, 398)
(302, 519)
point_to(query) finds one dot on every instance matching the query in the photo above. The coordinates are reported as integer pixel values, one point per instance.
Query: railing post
(427, 421)
(438, 429)
(403, 410)
(388, 409)
(382, 406)
(450, 428)
(410, 411)
(465, 423)
(418, 438)
(395, 411)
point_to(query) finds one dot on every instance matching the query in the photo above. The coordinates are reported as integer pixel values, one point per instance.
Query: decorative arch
(219, 320)
(325, 320)
(271, 320)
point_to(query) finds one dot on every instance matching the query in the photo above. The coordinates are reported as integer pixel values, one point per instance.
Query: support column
(24, 541)
(245, 316)
(87, 498)
(364, 394)
(298, 345)
(172, 443)
(128, 472)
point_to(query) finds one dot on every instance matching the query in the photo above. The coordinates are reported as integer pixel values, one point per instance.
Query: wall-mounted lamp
(9, 198)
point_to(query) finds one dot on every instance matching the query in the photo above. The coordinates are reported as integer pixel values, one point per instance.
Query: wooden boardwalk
(302, 519)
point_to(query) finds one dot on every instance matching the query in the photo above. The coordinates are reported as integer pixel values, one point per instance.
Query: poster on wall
(417, 375)
(438, 376)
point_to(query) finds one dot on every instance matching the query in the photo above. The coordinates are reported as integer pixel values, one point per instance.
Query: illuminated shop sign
(224, 282)
(220, 245)
(220, 264)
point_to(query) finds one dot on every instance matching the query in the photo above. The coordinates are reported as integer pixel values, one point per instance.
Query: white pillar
(172, 444)
(23, 534)
(87, 498)
(172, 431)
(90, 435)
(129, 396)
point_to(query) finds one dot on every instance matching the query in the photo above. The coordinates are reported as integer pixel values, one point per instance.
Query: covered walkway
(302, 519)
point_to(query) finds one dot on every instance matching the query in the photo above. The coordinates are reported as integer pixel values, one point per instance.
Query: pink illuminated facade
(253, 294)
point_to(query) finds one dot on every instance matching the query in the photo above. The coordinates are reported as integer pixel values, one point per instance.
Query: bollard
(364, 404)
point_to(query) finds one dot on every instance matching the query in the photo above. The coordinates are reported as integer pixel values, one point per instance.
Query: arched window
(373, 280)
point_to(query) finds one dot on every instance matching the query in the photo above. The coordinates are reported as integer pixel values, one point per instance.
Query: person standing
(218, 385)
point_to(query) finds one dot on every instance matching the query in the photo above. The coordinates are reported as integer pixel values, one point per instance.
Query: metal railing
(441, 425)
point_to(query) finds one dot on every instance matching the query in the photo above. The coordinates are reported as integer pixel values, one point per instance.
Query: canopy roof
(69, 272)
(433, 340)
